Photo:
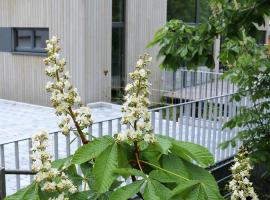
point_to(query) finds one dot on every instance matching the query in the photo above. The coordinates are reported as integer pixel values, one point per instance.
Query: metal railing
(195, 85)
(199, 122)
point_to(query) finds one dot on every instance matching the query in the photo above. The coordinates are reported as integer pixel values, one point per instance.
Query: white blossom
(240, 185)
(136, 104)
(64, 96)
(47, 176)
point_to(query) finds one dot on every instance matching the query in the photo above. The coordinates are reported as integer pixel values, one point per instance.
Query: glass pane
(40, 38)
(204, 10)
(117, 58)
(118, 10)
(182, 9)
(23, 39)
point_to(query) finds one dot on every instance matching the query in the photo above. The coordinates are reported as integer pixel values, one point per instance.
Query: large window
(190, 11)
(30, 40)
(118, 68)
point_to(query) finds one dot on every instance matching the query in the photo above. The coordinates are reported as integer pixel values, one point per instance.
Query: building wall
(77, 23)
(143, 19)
(98, 43)
(84, 28)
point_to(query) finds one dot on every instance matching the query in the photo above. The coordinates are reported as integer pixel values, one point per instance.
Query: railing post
(2, 183)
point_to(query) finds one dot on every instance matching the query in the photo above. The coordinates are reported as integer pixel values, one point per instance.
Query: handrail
(191, 102)
(117, 118)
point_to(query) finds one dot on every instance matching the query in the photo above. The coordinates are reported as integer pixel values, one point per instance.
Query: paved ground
(19, 121)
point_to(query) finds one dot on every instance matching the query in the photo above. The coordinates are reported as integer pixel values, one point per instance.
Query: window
(118, 38)
(190, 11)
(30, 40)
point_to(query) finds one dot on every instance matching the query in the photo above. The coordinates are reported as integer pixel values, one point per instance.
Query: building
(101, 40)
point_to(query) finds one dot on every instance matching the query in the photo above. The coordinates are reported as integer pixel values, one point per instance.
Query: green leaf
(28, 193)
(126, 172)
(176, 165)
(184, 188)
(123, 152)
(127, 191)
(163, 144)
(73, 175)
(88, 176)
(207, 181)
(163, 177)
(156, 191)
(91, 150)
(104, 168)
(82, 195)
(190, 151)
(62, 163)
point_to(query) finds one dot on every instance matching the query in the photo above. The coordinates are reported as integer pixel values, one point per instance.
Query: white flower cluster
(50, 178)
(136, 105)
(240, 185)
(64, 95)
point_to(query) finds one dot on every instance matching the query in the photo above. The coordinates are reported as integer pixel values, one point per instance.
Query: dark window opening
(118, 46)
(190, 11)
(30, 40)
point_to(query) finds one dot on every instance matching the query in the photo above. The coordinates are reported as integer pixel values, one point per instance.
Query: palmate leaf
(62, 163)
(73, 175)
(202, 175)
(104, 168)
(193, 152)
(28, 193)
(176, 165)
(83, 195)
(88, 176)
(184, 188)
(126, 172)
(127, 191)
(201, 185)
(194, 190)
(91, 150)
(156, 191)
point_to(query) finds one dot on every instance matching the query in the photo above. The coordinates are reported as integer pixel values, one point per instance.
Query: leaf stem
(169, 172)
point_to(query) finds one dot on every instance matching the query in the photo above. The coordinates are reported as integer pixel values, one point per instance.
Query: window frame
(32, 50)
(120, 25)
(197, 12)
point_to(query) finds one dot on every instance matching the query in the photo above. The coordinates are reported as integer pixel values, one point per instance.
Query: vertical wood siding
(98, 48)
(143, 19)
(77, 23)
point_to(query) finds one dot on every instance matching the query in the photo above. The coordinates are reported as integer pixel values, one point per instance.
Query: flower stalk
(64, 97)
(240, 185)
(48, 177)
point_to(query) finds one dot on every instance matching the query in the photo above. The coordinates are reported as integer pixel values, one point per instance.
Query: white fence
(199, 122)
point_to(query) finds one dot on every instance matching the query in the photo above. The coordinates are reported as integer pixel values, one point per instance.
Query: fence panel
(196, 121)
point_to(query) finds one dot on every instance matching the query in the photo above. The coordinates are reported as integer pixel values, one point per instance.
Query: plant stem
(72, 115)
(82, 136)
(137, 155)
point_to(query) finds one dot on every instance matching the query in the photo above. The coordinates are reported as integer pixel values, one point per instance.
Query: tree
(248, 63)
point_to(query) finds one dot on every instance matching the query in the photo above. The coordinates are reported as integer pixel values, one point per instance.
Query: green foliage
(170, 174)
(182, 44)
(248, 63)
(104, 168)
(91, 150)
(127, 191)
(31, 192)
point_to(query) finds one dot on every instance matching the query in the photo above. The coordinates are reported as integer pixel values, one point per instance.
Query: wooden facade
(85, 30)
